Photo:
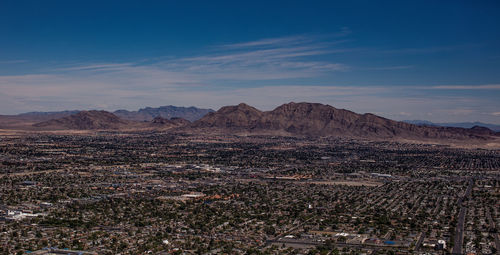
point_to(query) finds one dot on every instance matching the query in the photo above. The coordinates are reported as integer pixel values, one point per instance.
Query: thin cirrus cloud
(425, 50)
(17, 61)
(383, 68)
(288, 40)
(96, 67)
(469, 87)
(281, 58)
(261, 64)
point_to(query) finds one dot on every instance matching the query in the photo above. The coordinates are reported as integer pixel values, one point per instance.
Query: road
(316, 243)
(459, 231)
(32, 173)
(419, 242)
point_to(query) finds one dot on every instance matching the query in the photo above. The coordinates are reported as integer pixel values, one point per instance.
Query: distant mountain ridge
(51, 114)
(85, 120)
(103, 120)
(149, 113)
(146, 114)
(455, 124)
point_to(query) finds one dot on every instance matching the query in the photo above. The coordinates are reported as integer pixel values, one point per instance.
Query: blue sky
(432, 60)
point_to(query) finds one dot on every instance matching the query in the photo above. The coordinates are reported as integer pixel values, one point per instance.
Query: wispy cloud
(283, 58)
(17, 61)
(344, 31)
(288, 41)
(425, 50)
(382, 68)
(468, 87)
(459, 111)
(96, 67)
(273, 42)
(280, 58)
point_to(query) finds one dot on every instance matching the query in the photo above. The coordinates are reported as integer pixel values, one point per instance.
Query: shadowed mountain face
(85, 120)
(312, 119)
(166, 112)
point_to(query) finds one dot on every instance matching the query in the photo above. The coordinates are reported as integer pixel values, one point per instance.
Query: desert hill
(85, 120)
(241, 116)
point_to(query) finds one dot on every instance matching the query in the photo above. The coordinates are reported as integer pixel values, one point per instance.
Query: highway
(459, 231)
(306, 243)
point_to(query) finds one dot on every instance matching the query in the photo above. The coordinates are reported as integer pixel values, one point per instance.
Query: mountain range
(292, 119)
(454, 124)
(103, 120)
(147, 114)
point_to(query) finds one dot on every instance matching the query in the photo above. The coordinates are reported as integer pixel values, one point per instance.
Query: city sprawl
(164, 193)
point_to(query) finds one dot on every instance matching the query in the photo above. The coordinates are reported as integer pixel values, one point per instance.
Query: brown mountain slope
(311, 119)
(169, 123)
(26, 120)
(241, 116)
(85, 120)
